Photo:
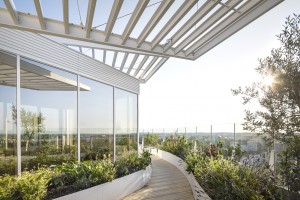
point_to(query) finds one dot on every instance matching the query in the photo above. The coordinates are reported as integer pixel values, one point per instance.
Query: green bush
(225, 179)
(49, 183)
(177, 145)
(151, 140)
(130, 162)
(32, 185)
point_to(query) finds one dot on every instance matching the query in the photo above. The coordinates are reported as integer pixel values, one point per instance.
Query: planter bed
(117, 189)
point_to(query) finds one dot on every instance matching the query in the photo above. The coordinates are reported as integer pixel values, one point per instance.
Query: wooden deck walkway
(166, 183)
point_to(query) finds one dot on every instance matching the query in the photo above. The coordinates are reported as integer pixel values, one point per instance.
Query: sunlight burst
(268, 80)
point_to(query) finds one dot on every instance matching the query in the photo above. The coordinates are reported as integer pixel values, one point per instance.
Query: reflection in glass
(48, 115)
(96, 120)
(8, 133)
(126, 121)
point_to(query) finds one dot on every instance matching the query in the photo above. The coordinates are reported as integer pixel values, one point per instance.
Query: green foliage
(8, 166)
(151, 140)
(130, 162)
(32, 185)
(290, 165)
(177, 145)
(49, 183)
(225, 179)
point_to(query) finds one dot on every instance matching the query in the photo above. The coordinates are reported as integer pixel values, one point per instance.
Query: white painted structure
(117, 189)
(185, 29)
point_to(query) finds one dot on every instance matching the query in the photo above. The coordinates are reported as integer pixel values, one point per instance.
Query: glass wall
(8, 133)
(96, 120)
(48, 115)
(126, 121)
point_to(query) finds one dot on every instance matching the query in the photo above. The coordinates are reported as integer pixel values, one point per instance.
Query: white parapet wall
(198, 192)
(117, 189)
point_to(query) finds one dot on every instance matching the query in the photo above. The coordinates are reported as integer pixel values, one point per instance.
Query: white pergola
(192, 29)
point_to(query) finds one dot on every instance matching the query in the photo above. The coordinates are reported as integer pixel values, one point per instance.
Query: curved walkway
(167, 183)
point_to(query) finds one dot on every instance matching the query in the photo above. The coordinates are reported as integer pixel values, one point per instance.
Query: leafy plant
(177, 145)
(225, 179)
(151, 140)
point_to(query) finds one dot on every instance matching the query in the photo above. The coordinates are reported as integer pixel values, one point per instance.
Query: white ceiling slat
(66, 15)
(159, 13)
(156, 68)
(93, 53)
(138, 11)
(90, 17)
(178, 15)
(132, 63)
(148, 67)
(203, 10)
(115, 58)
(112, 18)
(104, 56)
(207, 24)
(140, 65)
(124, 61)
(228, 22)
(12, 10)
(39, 12)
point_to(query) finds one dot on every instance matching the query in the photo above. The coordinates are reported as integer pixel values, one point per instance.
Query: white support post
(78, 118)
(115, 58)
(18, 117)
(138, 132)
(114, 122)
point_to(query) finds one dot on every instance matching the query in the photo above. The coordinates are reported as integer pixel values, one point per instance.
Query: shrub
(177, 145)
(151, 139)
(32, 185)
(130, 162)
(225, 179)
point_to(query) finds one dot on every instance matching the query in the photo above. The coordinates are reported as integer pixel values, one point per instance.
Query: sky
(198, 93)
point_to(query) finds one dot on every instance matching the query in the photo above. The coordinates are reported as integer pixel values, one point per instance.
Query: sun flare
(268, 80)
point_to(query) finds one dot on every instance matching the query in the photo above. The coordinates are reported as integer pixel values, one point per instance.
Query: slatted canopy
(138, 36)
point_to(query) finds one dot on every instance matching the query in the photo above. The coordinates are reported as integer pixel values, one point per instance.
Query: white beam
(155, 69)
(93, 53)
(112, 18)
(132, 63)
(66, 15)
(215, 17)
(39, 12)
(10, 6)
(90, 17)
(104, 56)
(76, 33)
(203, 10)
(115, 58)
(138, 11)
(124, 61)
(148, 67)
(178, 15)
(156, 17)
(140, 66)
(257, 11)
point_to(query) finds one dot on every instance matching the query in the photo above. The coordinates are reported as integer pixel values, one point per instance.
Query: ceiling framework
(190, 30)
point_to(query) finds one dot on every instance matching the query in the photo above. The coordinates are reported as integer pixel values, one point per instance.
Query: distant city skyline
(198, 93)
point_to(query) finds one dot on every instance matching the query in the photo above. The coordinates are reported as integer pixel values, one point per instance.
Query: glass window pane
(8, 130)
(96, 120)
(126, 121)
(48, 115)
